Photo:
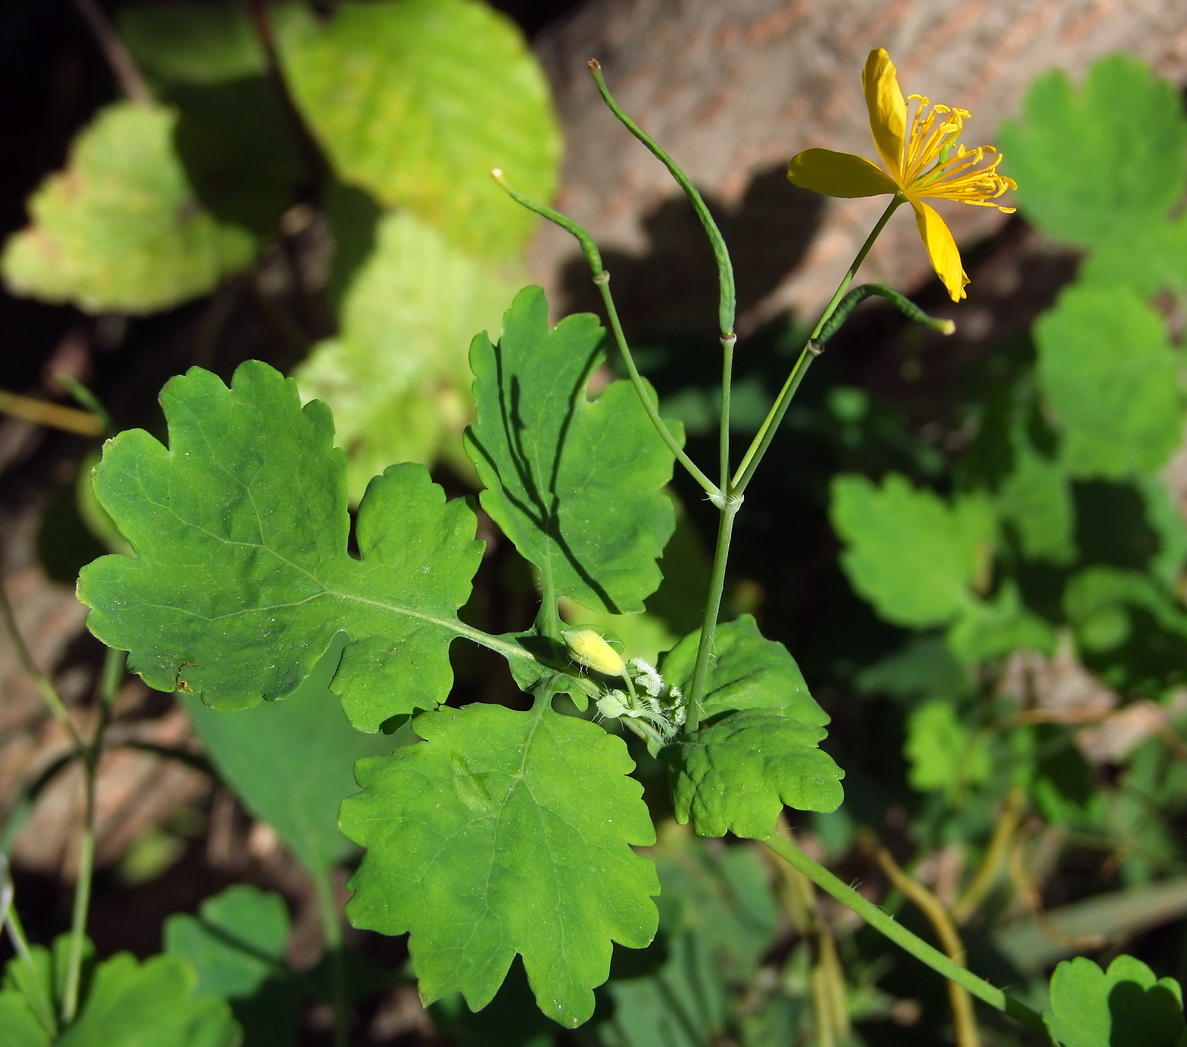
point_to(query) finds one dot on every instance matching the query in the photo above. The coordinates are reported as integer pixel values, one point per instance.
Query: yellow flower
(926, 162)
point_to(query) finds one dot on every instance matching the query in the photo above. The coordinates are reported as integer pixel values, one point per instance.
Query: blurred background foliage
(982, 580)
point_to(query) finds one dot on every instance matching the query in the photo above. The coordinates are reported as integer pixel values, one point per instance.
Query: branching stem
(770, 425)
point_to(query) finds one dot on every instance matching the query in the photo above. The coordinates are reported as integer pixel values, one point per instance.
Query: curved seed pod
(859, 294)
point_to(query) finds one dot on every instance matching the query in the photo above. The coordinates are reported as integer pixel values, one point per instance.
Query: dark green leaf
(417, 100)
(291, 763)
(505, 832)
(1094, 164)
(912, 555)
(122, 227)
(1035, 500)
(736, 774)
(236, 944)
(748, 671)
(189, 42)
(1111, 377)
(576, 485)
(1122, 1007)
(242, 575)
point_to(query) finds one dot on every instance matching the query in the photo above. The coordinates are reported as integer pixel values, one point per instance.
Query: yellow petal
(888, 110)
(941, 249)
(838, 174)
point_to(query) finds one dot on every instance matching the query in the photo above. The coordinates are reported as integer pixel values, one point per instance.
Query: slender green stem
(727, 377)
(42, 1007)
(601, 280)
(549, 619)
(696, 692)
(766, 432)
(82, 897)
(725, 270)
(898, 934)
(110, 677)
(860, 257)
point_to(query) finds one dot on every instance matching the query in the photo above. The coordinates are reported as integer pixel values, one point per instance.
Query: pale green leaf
(505, 832)
(914, 556)
(1094, 163)
(122, 228)
(575, 484)
(994, 628)
(417, 100)
(1125, 1006)
(747, 671)
(242, 575)
(737, 774)
(396, 375)
(1112, 379)
(1098, 602)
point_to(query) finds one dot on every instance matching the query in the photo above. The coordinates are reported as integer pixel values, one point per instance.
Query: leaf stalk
(601, 279)
(897, 933)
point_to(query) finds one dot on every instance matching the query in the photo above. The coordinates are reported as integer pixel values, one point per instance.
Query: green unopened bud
(590, 649)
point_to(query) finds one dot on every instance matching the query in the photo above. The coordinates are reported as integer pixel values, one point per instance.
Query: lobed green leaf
(915, 557)
(1125, 1006)
(748, 672)
(737, 774)
(236, 943)
(505, 832)
(1110, 375)
(125, 1003)
(943, 753)
(242, 576)
(1096, 164)
(575, 484)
